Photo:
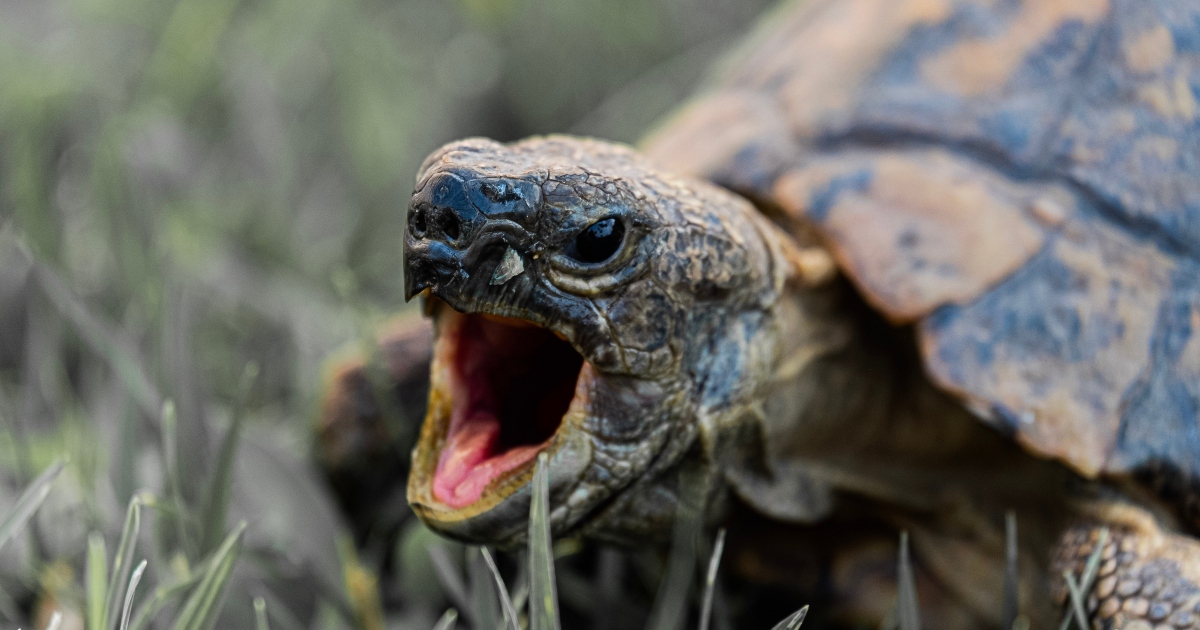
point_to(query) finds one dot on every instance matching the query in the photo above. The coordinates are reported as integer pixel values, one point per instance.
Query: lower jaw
(451, 505)
(422, 479)
(500, 515)
(458, 483)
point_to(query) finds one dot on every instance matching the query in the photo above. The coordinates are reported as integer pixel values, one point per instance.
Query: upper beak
(467, 235)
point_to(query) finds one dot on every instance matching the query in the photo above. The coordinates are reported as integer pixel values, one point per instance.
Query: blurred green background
(200, 201)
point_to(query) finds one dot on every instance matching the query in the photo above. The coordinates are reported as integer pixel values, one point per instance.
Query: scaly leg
(368, 421)
(1148, 578)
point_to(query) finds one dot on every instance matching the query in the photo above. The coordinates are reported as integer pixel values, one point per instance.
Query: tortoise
(907, 263)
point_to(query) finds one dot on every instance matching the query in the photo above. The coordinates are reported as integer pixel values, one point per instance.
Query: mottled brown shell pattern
(1018, 179)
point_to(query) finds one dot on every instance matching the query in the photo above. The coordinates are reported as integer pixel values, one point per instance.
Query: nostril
(417, 222)
(500, 192)
(451, 225)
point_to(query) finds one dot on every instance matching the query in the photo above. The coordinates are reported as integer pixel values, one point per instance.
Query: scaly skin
(678, 330)
(719, 347)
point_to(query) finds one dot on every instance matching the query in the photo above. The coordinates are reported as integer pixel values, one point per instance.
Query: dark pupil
(599, 242)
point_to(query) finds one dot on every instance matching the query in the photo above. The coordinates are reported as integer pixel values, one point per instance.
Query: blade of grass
(127, 444)
(260, 614)
(485, 602)
(1085, 584)
(129, 592)
(449, 618)
(216, 499)
(101, 337)
(362, 587)
(122, 565)
(1076, 597)
(671, 601)
(192, 432)
(543, 596)
(452, 582)
(510, 615)
(170, 454)
(793, 621)
(18, 419)
(29, 502)
(97, 581)
(56, 620)
(1093, 562)
(281, 617)
(710, 580)
(908, 614)
(201, 607)
(1011, 605)
(170, 440)
(164, 594)
(520, 593)
(30, 395)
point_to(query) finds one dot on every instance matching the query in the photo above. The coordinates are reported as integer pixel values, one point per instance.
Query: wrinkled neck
(856, 410)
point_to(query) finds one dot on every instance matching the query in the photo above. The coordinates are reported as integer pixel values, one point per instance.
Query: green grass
(29, 502)
(185, 187)
(1078, 587)
(200, 201)
(110, 596)
(540, 610)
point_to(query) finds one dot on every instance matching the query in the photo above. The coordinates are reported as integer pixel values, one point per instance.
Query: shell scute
(1158, 421)
(1056, 348)
(993, 77)
(915, 229)
(1045, 233)
(1132, 136)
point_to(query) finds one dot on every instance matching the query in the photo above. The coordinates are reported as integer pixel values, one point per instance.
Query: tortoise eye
(598, 242)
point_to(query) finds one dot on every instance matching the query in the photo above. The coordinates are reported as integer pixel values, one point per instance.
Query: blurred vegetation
(200, 201)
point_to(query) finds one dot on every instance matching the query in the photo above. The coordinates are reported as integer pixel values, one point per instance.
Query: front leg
(1148, 577)
(371, 411)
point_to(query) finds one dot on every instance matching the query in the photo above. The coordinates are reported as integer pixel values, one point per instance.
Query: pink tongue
(465, 469)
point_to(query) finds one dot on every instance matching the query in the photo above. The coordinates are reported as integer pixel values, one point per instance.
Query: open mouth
(506, 386)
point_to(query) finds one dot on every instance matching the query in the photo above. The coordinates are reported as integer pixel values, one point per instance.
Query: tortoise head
(589, 306)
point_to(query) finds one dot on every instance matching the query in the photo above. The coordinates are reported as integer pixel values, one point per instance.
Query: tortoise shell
(1020, 180)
